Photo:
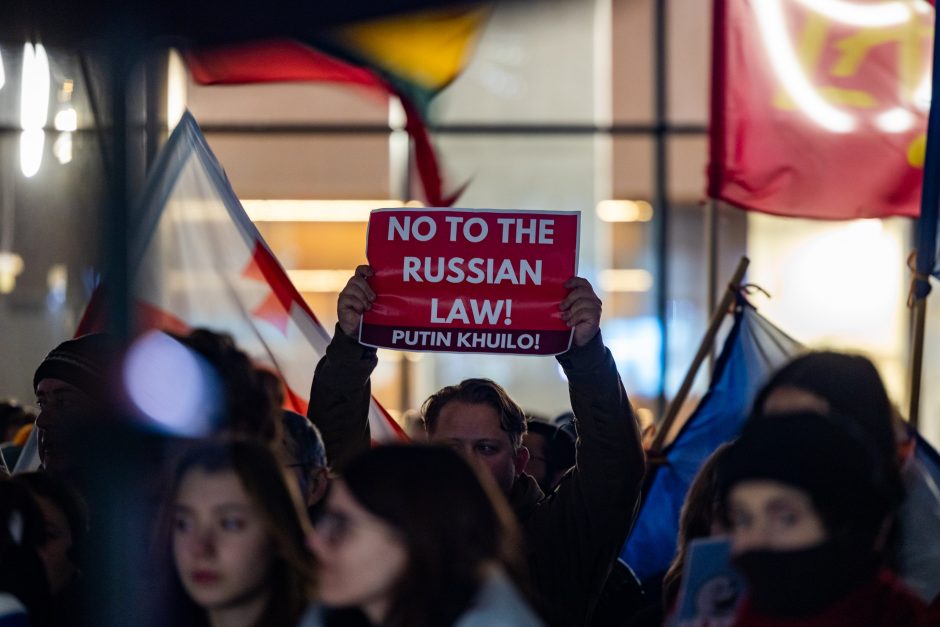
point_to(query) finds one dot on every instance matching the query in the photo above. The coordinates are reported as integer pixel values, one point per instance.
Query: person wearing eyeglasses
(304, 456)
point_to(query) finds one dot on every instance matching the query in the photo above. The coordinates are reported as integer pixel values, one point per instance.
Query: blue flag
(752, 351)
(928, 257)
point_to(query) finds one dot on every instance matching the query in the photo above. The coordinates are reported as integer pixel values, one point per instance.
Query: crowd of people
(489, 517)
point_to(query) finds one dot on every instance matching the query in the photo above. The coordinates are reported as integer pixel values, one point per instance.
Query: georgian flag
(199, 261)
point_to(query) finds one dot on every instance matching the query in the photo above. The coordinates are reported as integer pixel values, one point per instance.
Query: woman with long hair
(235, 532)
(700, 518)
(413, 536)
(65, 518)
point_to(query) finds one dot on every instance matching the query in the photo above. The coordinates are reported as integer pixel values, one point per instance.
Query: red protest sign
(467, 280)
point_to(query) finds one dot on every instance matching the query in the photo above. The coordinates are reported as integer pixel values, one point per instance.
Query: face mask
(802, 582)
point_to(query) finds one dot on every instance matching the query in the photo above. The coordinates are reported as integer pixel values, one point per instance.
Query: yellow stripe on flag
(426, 48)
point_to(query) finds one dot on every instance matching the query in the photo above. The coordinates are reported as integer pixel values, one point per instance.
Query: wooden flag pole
(917, 359)
(704, 349)
(711, 249)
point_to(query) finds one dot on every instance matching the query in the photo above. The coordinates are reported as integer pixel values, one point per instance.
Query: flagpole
(917, 359)
(718, 316)
(711, 249)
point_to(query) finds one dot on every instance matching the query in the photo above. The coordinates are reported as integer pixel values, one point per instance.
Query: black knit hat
(85, 362)
(828, 457)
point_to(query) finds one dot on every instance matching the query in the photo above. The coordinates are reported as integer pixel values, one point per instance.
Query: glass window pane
(354, 166)
(837, 284)
(632, 60)
(533, 63)
(689, 59)
(50, 233)
(285, 103)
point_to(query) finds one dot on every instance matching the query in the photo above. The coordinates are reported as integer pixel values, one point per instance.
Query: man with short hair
(73, 385)
(572, 537)
(304, 455)
(551, 453)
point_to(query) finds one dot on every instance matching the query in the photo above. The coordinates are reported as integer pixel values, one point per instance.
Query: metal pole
(718, 315)
(116, 219)
(155, 104)
(401, 149)
(661, 189)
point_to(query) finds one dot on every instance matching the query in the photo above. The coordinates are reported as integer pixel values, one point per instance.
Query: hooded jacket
(573, 535)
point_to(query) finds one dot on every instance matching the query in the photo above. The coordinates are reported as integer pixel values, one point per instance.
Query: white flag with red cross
(199, 261)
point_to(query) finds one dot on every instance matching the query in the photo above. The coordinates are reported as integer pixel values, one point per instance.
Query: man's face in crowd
(474, 431)
(311, 480)
(538, 457)
(60, 404)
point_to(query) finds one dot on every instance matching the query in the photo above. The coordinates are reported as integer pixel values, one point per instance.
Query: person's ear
(521, 460)
(319, 481)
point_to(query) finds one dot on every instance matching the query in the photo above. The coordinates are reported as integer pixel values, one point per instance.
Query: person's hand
(355, 299)
(581, 310)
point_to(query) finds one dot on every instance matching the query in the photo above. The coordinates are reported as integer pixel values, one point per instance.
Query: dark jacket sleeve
(576, 534)
(339, 398)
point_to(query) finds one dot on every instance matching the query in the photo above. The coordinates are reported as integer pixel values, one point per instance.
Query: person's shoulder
(313, 617)
(498, 604)
(525, 496)
(899, 605)
(12, 611)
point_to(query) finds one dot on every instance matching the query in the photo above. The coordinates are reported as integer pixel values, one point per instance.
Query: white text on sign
(474, 230)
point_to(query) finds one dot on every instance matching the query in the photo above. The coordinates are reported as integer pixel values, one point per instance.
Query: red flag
(819, 107)
(200, 262)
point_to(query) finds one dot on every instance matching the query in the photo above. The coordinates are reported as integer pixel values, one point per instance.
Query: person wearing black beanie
(848, 384)
(807, 504)
(73, 384)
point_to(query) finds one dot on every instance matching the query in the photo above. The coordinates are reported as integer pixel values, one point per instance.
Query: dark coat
(572, 536)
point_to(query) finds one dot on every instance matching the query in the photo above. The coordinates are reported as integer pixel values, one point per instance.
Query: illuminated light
(896, 120)
(645, 416)
(3, 76)
(315, 210)
(176, 81)
(390, 356)
(11, 265)
(861, 15)
(921, 6)
(624, 211)
(34, 91)
(635, 344)
(57, 280)
(31, 147)
(34, 107)
(850, 275)
(62, 148)
(172, 385)
(66, 120)
(786, 64)
(319, 280)
(625, 280)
